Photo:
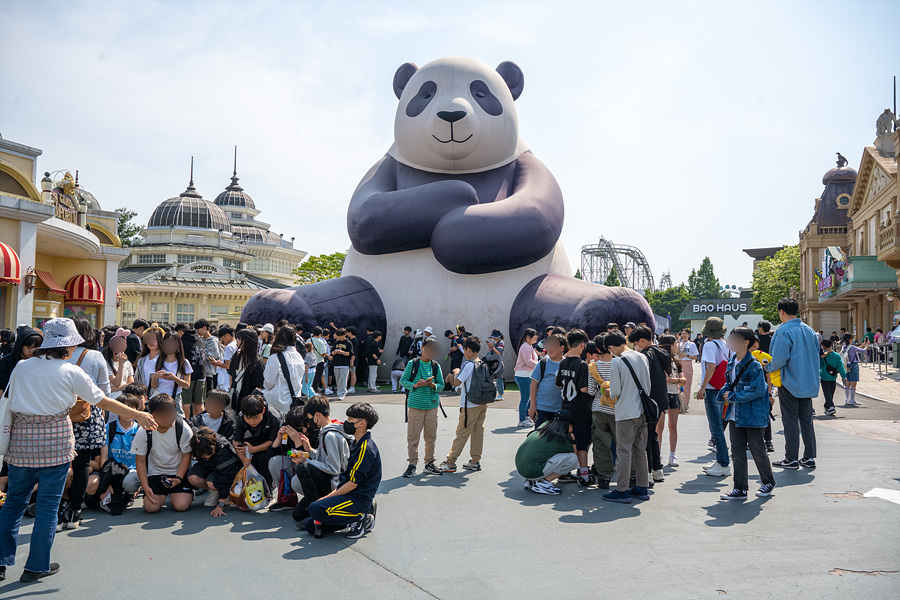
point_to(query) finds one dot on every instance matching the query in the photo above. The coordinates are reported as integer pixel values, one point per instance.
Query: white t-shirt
(689, 348)
(714, 351)
(94, 365)
(149, 367)
(42, 386)
(168, 387)
(224, 378)
(165, 455)
(465, 378)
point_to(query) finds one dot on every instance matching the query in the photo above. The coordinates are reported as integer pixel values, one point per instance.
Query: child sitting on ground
(120, 435)
(215, 416)
(257, 433)
(546, 453)
(216, 468)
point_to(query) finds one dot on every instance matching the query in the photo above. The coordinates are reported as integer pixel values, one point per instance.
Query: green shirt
(833, 359)
(535, 451)
(423, 397)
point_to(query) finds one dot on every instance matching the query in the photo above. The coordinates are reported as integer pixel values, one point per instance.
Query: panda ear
(402, 77)
(513, 76)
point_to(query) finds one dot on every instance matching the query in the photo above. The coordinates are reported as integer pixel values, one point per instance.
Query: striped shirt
(594, 390)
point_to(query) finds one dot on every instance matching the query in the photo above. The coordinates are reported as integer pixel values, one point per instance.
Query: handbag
(295, 399)
(5, 421)
(717, 380)
(651, 409)
(81, 412)
(682, 403)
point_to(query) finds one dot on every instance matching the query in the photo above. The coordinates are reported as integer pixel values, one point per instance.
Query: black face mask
(349, 428)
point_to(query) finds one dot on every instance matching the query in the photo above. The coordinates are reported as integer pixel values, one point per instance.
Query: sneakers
(673, 460)
(765, 490)
(719, 470)
(529, 483)
(711, 443)
(770, 447)
(524, 424)
(28, 576)
(279, 506)
(809, 463)
(658, 476)
(432, 468)
(104, 503)
(328, 392)
(528, 422)
(640, 493)
(786, 464)
(567, 478)
(603, 483)
(410, 471)
(586, 481)
(73, 519)
(542, 486)
(447, 467)
(360, 528)
(734, 494)
(617, 496)
(830, 412)
(472, 466)
(212, 498)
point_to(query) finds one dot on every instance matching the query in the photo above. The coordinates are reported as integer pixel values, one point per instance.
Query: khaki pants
(604, 436)
(631, 451)
(420, 420)
(471, 426)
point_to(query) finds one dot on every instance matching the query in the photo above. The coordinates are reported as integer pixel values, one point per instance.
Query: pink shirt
(526, 361)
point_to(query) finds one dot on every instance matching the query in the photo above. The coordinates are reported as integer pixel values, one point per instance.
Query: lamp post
(30, 280)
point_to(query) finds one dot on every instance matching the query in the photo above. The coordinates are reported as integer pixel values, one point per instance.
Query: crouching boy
(217, 466)
(353, 502)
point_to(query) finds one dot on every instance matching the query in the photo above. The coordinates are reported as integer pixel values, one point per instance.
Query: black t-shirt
(354, 341)
(658, 359)
(571, 377)
(341, 360)
(266, 431)
(764, 340)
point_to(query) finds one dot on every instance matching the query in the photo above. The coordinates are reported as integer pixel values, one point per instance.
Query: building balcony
(864, 275)
(889, 244)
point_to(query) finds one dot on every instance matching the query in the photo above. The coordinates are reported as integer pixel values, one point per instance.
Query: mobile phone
(166, 481)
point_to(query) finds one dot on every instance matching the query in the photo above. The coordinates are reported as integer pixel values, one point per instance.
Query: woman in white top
(173, 371)
(42, 391)
(674, 381)
(145, 366)
(526, 360)
(121, 373)
(278, 392)
(266, 337)
(687, 353)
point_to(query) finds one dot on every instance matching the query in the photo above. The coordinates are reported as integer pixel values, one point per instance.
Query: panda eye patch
(418, 102)
(488, 102)
(426, 95)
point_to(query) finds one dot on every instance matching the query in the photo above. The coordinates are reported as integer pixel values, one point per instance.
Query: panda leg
(344, 301)
(568, 302)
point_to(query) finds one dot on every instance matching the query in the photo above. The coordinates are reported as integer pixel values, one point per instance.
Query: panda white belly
(418, 291)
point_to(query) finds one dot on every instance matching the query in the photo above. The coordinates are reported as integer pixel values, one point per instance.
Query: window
(232, 264)
(151, 259)
(159, 312)
(217, 309)
(129, 313)
(184, 259)
(184, 313)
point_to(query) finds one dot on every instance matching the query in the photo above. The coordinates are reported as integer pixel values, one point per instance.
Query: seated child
(215, 416)
(118, 480)
(162, 457)
(139, 391)
(217, 466)
(353, 502)
(281, 465)
(547, 453)
(256, 433)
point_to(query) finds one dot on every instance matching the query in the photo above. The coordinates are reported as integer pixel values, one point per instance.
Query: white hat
(268, 327)
(61, 333)
(428, 330)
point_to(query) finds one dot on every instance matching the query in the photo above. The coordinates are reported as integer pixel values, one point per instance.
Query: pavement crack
(850, 571)
(392, 572)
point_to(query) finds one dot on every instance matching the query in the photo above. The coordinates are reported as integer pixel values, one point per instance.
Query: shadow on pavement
(447, 480)
(726, 513)
(702, 484)
(18, 585)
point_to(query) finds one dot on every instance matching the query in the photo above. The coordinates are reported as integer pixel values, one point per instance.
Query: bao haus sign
(711, 307)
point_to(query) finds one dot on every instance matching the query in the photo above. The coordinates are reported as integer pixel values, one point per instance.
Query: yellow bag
(249, 490)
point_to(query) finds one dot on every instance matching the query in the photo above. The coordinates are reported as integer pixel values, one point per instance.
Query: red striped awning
(85, 289)
(11, 269)
(50, 282)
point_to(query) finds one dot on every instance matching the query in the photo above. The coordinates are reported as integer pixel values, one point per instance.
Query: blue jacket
(748, 399)
(795, 350)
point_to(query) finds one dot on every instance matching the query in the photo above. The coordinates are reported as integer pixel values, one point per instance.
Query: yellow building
(201, 259)
(60, 250)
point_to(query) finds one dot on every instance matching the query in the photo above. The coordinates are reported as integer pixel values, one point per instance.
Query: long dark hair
(284, 339)
(525, 335)
(86, 331)
(556, 431)
(248, 356)
(179, 353)
(667, 342)
(155, 330)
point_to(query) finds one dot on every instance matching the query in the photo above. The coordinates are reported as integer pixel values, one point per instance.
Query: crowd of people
(164, 413)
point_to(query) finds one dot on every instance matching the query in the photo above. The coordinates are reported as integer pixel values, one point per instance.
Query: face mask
(349, 428)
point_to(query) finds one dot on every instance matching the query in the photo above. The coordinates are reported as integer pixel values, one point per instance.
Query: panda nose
(451, 116)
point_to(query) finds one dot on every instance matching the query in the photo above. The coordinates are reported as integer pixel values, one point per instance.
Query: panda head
(457, 115)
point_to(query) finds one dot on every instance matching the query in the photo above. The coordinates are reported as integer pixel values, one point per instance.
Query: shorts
(582, 432)
(195, 393)
(157, 487)
(674, 402)
(853, 372)
(561, 463)
(217, 478)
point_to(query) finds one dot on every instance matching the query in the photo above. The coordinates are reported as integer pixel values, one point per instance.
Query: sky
(687, 129)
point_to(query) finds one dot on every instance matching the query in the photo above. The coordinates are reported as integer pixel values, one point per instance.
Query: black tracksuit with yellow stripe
(363, 469)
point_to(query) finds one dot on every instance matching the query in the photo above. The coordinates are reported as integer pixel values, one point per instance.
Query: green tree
(612, 280)
(578, 274)
(670, 302)
(773, 279)
(703, 283)
(320, 267)
(126, 229)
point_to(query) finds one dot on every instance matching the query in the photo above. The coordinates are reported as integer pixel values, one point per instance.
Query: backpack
(412, 377)
(481, 388)
(179, 431)
(718, 377)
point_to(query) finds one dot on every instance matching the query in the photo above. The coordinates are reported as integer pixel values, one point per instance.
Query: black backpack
(481, 388)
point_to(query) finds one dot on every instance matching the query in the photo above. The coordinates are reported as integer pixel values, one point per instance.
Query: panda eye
(426, 95)
(479, 94)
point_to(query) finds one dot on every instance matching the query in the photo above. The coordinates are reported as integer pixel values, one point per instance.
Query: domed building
(198, 258)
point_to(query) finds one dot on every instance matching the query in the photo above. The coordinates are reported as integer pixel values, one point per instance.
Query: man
(795, 351)
(213, 352)
(612, 327)
(406, 341)
(320, 349)
(133, 349)
(764, 333)
(373, 356)
(658, 361)
(342, 351)
(629, 327)
(713, 361)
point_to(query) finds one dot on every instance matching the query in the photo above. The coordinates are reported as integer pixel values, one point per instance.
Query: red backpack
(718, 378)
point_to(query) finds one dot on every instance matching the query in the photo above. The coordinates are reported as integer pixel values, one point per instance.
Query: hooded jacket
(333, 452)
(8, 362)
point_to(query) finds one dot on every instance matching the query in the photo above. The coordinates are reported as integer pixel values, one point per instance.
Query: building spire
(234, 178)
(235, 161)
(191, 191)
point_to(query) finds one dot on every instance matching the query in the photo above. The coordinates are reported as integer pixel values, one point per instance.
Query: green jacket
(423, 398)
(833, 359)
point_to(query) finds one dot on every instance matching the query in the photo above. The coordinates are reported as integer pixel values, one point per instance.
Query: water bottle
(317, 530)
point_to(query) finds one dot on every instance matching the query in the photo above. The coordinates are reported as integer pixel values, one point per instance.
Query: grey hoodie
(333, 452)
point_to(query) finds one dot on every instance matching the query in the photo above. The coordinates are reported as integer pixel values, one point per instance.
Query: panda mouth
(451, 137)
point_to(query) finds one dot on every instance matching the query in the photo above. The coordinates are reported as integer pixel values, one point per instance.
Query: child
(422, 377)
(215, 416)
(748, 407)
(373, 358)
(572, 377)
(139, 391)
(353, 502)
(163, 457)
(342, 351)
(830, 364)
(217, 466)
(309, 358)
(120, 438)
(281, 465)
(397, 372)
(256, 433)
(546, 398)
(173, 371)
(495, 358)
(603, 413)
(471, 414)
(547, 453)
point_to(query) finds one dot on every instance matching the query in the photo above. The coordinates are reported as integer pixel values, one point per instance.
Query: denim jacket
(748, 399)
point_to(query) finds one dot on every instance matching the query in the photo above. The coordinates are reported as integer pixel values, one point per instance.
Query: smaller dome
(838, 174)
(256, 235)
(86, 198)
(234, 195)
(189, 210)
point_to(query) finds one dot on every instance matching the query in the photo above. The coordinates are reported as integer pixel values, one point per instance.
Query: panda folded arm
(382, 219)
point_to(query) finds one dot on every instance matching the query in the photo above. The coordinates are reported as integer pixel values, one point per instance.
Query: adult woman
(173, 370)
(852, 352)
(246, 369)
(27, 341)
(687, 354)
(526, 360)
(145, 366)
(674, 381)
(121, 373)
(286, 362)
(42, 442)
(266, 337)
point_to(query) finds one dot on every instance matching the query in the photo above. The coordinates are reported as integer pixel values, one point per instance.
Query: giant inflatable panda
(458, 223)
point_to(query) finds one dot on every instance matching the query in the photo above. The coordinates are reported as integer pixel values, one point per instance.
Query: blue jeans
(713, 404)
(51, 482)
(524, 384)
(307, 384)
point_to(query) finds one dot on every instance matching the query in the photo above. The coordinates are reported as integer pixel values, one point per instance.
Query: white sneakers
(212, 498)
(541, 486)
(658, 476)
(673, 460)
(526, 423)
(717, 470)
